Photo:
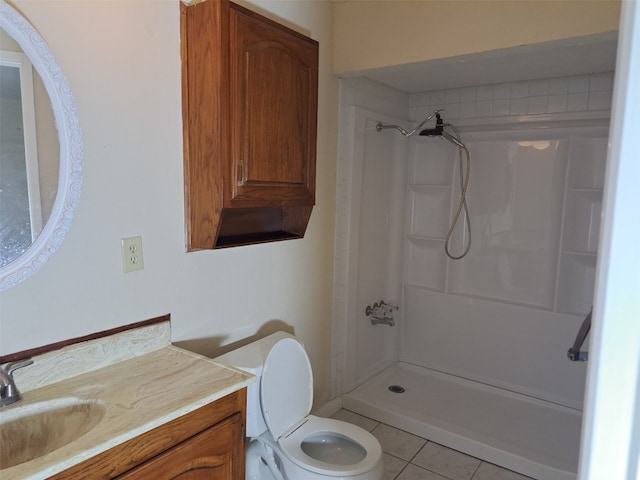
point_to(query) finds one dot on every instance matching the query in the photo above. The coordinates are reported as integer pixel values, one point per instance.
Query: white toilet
(286, 442)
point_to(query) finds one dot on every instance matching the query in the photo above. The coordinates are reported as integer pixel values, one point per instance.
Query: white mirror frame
(71, 149)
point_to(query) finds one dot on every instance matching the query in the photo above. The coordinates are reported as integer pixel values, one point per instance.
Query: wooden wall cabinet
(207, 444)
(250, 94)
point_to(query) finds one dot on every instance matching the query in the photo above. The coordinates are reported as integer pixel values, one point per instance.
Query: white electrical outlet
(132, 259)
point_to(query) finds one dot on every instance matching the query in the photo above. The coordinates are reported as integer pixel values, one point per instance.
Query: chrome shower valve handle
(381, 313)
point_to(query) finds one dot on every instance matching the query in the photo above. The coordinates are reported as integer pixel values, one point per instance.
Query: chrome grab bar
(574, 354)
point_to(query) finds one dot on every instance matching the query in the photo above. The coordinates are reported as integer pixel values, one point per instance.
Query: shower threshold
(533, 437)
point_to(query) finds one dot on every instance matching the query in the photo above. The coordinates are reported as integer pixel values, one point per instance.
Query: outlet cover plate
(132, 258)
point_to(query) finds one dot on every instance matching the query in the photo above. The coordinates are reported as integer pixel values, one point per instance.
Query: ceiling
(577, 56)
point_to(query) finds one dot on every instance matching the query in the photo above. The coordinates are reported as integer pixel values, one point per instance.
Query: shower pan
(518, 432)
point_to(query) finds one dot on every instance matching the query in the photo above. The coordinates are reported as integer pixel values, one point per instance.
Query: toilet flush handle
(269, 459)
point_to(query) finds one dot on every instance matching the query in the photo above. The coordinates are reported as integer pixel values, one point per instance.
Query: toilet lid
(286, 387)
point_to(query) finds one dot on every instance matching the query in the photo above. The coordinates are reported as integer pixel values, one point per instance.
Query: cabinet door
(274, 82)
(216, 453)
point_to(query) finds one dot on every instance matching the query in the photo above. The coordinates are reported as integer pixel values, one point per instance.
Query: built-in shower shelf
(424, 288)
(426, 186)
(425, 263)
(581, 224)
(587, 195)
(587, 190)
(424, 238)
(578, 253)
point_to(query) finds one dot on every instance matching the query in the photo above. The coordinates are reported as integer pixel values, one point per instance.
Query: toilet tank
(251, 358)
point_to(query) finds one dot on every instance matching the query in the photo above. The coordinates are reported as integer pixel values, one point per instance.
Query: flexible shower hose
(462, 206)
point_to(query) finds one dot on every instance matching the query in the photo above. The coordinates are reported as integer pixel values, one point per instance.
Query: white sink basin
(32, 430)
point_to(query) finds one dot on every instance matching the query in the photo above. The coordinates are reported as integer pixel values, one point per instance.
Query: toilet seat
(291, 446)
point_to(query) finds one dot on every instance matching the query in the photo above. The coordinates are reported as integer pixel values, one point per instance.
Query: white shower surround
(527, 336)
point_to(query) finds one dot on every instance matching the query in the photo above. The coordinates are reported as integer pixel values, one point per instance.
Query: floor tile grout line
(477, 468)
(401, 470)
(410, 462)
(395, 456)
(419, 450)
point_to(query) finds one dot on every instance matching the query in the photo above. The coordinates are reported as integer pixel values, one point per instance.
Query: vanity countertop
(138, 394)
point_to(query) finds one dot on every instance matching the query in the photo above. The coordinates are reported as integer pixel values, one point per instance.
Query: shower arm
(383, 126)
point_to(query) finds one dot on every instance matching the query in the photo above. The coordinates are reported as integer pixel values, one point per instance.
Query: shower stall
(476, 355)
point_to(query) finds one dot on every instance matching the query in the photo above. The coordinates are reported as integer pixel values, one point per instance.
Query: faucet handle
(9, 393)
(9, 368)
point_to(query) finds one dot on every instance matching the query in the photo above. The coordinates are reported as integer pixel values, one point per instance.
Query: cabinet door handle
(240, 173)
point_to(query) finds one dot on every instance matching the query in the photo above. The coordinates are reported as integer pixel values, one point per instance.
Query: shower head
(382, 126)
(440, 132)
(434, 132)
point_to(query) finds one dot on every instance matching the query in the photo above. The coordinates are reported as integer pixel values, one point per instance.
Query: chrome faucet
(381, 313)
(382, 320)
(8, 391)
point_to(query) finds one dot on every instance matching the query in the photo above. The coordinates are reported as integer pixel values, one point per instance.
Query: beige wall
(371, 34)
(122, 61)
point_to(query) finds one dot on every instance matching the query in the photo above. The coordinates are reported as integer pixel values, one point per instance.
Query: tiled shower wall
(582, 93)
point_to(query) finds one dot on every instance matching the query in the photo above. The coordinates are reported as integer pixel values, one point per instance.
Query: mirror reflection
(29, 152)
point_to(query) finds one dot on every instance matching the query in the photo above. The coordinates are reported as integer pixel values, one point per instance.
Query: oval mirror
(40, 171)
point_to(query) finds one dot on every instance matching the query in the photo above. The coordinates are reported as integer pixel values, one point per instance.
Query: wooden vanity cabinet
(250, 94)
(206, 444)
(210, 455)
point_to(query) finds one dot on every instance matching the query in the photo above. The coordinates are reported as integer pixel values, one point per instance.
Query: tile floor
(408, 457)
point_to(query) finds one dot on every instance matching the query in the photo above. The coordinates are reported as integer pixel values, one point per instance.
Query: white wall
(122, 61)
